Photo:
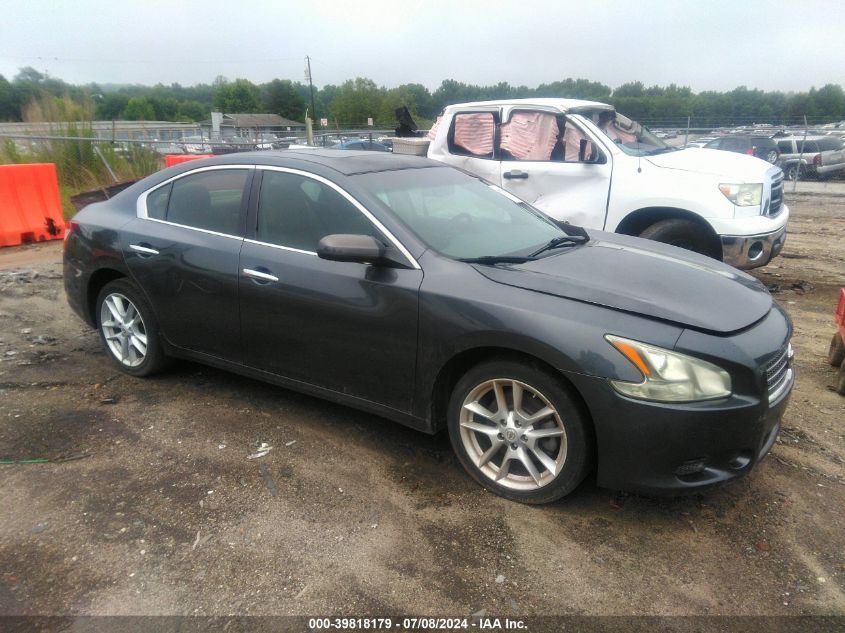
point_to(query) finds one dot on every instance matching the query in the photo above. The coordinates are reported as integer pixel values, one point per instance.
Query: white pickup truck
(582, 162)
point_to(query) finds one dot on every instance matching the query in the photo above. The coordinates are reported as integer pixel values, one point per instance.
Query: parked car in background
(420, 293)
(814, 157)
(363, 144)
(583, 162)
(763, 147)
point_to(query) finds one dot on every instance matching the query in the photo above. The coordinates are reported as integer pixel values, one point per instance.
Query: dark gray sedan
(412, 290)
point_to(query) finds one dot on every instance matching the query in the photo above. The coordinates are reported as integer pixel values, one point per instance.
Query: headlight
(743, 195)
(669, 376)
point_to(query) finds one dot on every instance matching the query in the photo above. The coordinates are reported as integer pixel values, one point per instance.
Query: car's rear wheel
(836, 351)
(128, 329)
(518, 432)
(683, 234)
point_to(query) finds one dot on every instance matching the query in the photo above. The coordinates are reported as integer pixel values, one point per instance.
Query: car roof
(344, 161)
(564, 105)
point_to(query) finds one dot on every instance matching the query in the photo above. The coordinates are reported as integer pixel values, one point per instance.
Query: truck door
(470, 143)
(552, 162)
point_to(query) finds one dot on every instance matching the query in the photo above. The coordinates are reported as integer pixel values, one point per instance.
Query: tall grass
(78, 165)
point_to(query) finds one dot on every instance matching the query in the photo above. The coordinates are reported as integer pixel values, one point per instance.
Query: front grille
(777, 195)
(778, 374)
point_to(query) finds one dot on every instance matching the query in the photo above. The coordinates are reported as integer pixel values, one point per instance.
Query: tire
(793, 172)
(836, 351)
(125, 321)
(772, 156)
(558, 445)
(683, 234)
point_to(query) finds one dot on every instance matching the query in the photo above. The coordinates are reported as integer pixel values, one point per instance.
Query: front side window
(459, 215)
(297, 212)
(210, 200)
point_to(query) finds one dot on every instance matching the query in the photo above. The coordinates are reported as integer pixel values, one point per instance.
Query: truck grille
(777, 195)
(779, 373)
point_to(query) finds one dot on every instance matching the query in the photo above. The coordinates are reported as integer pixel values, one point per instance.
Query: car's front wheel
(517, 431)
(128, 329)
(772, 156)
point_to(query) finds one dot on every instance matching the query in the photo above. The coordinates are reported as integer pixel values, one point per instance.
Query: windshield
(461, 216)
(628, 135)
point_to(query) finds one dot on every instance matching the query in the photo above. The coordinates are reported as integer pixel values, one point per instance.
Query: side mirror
(362, 249)
(340, 247)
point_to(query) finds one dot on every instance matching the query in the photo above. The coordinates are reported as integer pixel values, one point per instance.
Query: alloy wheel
(123, 329)
(513, 434)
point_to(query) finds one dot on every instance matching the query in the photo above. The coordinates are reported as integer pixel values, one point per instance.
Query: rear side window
(157, 202)
(785, 147)
(473, 134)
(209, 200)
(297, 212)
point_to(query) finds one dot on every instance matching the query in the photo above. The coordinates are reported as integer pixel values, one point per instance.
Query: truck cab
(582, 162)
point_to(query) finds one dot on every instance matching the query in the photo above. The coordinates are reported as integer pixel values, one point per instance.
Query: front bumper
(751, 251)
(677, 449)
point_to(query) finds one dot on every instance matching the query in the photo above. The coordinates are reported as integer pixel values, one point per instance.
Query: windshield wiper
(559, 242)
(662, 150)
(497, 259)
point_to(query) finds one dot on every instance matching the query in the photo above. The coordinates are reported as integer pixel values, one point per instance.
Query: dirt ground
(157, 510)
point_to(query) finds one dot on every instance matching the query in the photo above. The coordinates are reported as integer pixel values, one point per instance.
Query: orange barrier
(30, 206)
(175, 159)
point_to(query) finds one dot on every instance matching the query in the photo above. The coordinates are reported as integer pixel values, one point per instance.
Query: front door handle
(144, 250)
(259, 276)
(515, 175)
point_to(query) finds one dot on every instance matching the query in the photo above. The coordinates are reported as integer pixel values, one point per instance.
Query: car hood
(739, 167)
(647, 278)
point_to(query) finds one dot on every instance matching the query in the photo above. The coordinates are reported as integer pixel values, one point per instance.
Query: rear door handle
(144, 250)
(259, 275)
(515, 175)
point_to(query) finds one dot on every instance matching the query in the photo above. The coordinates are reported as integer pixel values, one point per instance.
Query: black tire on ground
(684, 234)
(836, 351)
(154, 360)
(793, 172)
(840, 380)
(579, 453)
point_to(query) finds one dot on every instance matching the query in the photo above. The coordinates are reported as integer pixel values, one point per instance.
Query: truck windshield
(628, 135)
(461, 216)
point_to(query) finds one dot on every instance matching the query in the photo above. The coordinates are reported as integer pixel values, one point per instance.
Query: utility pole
(310, 86)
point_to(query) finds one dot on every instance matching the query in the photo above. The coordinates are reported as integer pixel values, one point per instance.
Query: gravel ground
(156, 508)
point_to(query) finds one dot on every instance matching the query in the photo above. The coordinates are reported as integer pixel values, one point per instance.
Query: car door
(344, 326)
(564, 182)
(183, 251)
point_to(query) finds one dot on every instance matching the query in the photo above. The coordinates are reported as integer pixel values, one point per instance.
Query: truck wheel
(794, 172)
(840, 380)
(836, 351)
(683, 234)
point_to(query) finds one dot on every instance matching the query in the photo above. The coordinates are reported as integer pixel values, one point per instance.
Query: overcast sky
(707, 45)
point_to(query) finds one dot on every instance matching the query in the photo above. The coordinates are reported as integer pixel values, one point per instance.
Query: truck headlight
(669, 376)
(743, 195)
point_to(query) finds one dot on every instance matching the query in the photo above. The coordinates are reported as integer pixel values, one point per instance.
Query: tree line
(351, 103)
